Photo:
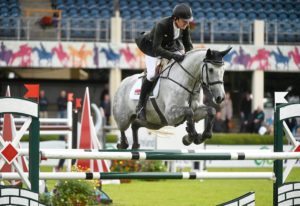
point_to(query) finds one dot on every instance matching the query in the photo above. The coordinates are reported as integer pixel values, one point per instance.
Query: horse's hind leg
(135, 128)
(124, 142)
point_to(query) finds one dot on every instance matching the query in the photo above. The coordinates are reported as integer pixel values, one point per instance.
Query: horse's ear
(223, 53)
(208, 53)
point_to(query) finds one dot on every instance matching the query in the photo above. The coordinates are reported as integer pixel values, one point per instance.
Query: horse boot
(141, 107)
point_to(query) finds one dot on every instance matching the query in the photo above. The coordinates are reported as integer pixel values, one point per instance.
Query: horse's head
(213, 73)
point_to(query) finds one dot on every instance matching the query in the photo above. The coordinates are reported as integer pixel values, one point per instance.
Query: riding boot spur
(141, 107)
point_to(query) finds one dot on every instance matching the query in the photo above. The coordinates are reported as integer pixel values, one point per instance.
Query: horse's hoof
(122, 145)
(207, 135)
(135, 146)
(187, 140)
(198, 139)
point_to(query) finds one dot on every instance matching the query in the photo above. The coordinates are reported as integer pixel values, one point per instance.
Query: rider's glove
(178, 57)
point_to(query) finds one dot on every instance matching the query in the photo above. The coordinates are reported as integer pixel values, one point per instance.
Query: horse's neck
(192, 64)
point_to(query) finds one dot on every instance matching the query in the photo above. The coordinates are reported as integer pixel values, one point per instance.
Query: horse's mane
(196, 50)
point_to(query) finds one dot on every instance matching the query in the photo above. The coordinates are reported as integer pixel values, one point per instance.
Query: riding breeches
(151, 63)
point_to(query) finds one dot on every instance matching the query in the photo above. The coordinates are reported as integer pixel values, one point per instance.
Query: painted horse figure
(178, 99)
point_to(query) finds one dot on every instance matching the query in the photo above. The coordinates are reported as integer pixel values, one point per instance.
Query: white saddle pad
(136, 90)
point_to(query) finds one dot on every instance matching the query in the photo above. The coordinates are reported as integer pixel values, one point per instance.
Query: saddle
(136, 89)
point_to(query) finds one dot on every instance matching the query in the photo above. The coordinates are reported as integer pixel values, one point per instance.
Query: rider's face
(181, 23)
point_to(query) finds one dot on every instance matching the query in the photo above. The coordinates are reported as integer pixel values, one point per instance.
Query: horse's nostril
(219, 99)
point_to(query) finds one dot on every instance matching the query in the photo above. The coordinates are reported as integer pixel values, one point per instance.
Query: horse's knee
(135, 125)
(211, 112)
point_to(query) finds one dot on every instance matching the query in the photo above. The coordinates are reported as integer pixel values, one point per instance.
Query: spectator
(43, 102)
(62, 104)
(62, 113)
(245, 114)
(258, 117)
(219, 124)
(292, 124)
(105, 104)
(226, 111)
(104, 92)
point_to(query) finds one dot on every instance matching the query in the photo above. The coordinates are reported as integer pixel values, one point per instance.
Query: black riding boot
(141, 107)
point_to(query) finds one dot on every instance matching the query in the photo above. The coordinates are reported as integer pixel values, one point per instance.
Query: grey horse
(178, 99)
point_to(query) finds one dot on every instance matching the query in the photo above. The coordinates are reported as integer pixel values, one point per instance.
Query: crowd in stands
(250, 121)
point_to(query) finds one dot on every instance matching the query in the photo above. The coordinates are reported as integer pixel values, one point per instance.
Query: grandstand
(217, 24)
(217, 21)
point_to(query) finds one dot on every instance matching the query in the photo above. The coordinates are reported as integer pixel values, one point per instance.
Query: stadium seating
(211, 16)
(9, 13)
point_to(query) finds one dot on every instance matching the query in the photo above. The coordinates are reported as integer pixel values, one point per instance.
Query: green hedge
(25, 138)
(241, 139)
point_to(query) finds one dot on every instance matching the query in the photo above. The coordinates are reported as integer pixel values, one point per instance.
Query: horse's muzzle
(219, 99)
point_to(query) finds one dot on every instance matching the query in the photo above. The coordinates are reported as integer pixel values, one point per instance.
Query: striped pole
(145, 175)
(164, 155)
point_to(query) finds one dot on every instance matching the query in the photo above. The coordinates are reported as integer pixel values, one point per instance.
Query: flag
(279, 97)
(32, 91)
(78, 103)
(70, 97)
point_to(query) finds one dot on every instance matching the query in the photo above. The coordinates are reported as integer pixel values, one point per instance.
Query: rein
(205, 84)
(168, 77)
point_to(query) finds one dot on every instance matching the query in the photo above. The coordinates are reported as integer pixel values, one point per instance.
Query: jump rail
(146, 175)
(163, 155)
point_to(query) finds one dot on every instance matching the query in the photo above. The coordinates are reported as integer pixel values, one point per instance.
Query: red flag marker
(70, 97)
(78, 103)
(32, 91)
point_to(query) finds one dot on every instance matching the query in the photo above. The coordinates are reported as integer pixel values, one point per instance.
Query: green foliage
(152, 166)
(124, 166)
(241, 139)
(25, 138)
(138, 166)
(111, 138)
(74, 192)
(45, 199)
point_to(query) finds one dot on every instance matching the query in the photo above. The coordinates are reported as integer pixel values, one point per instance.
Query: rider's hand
(178, 57)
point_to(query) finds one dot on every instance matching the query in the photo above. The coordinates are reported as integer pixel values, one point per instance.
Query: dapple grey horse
(178, 99)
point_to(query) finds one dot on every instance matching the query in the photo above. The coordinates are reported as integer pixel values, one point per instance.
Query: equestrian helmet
(183, 11)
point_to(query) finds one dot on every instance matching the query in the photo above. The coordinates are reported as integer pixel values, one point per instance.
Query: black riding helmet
(183, 11)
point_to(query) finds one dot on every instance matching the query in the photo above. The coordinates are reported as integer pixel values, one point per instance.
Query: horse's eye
(211, 70)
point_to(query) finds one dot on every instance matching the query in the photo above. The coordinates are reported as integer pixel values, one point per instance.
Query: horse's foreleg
(208, 113)
(187, 113)
(124, 142)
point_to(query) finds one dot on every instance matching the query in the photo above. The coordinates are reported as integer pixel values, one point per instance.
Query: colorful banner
(128, 56)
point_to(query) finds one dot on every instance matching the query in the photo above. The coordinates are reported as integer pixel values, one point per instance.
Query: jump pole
(163, 155)
(146, 175)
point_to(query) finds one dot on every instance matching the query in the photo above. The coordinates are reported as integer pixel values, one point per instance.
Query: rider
(169, 39)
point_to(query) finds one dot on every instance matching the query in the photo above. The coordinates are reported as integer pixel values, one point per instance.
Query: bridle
(209, 83)
(204, 84)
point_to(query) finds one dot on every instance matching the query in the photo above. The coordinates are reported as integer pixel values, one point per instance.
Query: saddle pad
(136, 90)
